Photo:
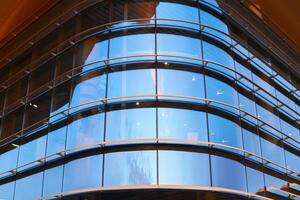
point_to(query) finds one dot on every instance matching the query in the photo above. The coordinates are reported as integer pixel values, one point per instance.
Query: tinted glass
(138, 168)
(187, 84)
(53, 181)
(131, 124)
(83, 173)
(228, 173)
(56, 141)
(255, 180)
(130, 83)
(8, 161)
(7, 191)
(29, 187)
(182, 124)
(183, 168)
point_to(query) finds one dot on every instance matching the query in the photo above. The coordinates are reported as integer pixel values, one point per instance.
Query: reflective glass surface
(29, 187)
(130, 168)
(183, 168)
(53, 180)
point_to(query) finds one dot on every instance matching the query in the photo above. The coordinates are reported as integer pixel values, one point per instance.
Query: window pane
(83, 173)
(168, 10)
(53, 181)
(88, 88)
(130, 83)
(183, 168)
(185, 84)
(90, 51)
(16, 92)
(8, 161)
(223, 58)
(255, 180)
(64, 63)
(251, 142)
(224, 131)
(131, 124)
(132, 45)
(138, 168)
(220, 91)
(85, 129)
(176, 45)
(29, 187)
(32, 151)
(12, 123)
(273, 152)
(7, 191)
(182, 124)
(56, 141)
(228, 173)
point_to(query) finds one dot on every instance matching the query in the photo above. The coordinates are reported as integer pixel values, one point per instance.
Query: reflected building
(148, 99)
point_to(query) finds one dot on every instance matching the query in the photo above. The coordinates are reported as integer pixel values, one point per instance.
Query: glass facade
(154, 95)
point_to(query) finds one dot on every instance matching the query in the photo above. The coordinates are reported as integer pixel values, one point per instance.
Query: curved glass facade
(146, 94)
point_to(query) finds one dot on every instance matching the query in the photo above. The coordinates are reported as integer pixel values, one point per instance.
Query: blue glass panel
(181, 83)
(246, 73)
(251, 142)
(273, 152)
(176, 11)
(269, 118)
(248, 105)
(7, 191)
(228, 173)
(292, 161)
(88, 89)
(224, 131)
(8, 161)
(132, 45)
(266, 86)
(56, 142)
(217, 55)
(272, 183)
(53, 181)
(83, 173)
(255, 180)
(175, 45)
(92, 50)
(32, 151)
(212, 21)
(183, 168)
(220, 91)
(137, 168)
(85, 130)
(290, 131)
(29, 188)
(182, 124)
(131, 83)
(131, 124)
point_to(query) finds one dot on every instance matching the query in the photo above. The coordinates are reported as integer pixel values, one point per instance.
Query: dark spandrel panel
(64, 63)
(183, 168)
(130, 168)
(177, 45)
(16, 92)
(133, 47)
(95, 15)
(53, 180)
(255, 180)
(69, 28)
(182, 124)
(130, 83)
(37, 110)
(4, 74)
(47, 43)
(29, 187)
(21, 63)
(87, 88)
(12, 123)
(2, 100)
(90, 51)
(7, 191)
(131, 124)
(39, 78)
(180, 83)
(85, 130)
(60, 100)
(228, 173)
(224, 131)
(83, 173)
(179, 12)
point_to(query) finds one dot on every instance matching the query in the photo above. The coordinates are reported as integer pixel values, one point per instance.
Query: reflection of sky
(137, 168)
(29, 187)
